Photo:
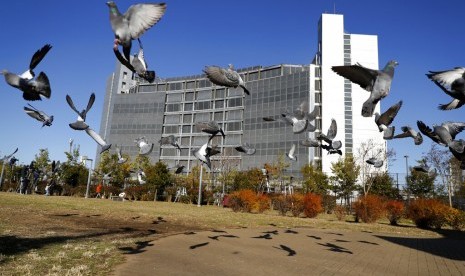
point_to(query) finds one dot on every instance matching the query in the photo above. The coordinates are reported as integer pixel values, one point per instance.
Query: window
(218, 116)
(189, 96)
(190, 85)
(235, 102)
(123, 85)
(187, 118)
(188, 106)
(234, 115)
(172, 107)
(219, 104)
(170, 129)
(186, 129)
(125, 74)
(202, 105)
(234, 126)
(317, 84)
(204, 95)
(171, 119)
(220, 93)
(174, 97)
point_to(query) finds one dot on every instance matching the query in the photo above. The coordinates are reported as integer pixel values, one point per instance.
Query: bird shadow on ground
(336, 248)
(449, 246)
(266, 236)
(195, 246)
(139, 248)
(290, 252)
(65, 215)
(314, 237)
(339, 240)
(222, 236)
(367, 242)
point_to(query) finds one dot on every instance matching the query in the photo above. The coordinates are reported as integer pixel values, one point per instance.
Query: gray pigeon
(384, 120)
(212, 128)
(225, 77)
(179, 169)
(169, 140)
(291, 152)
(246, 148)
(377, 163)
(332, 150)
(378, 82)
(94, 135)
(144, 147)
(6, 157)
(452, 82)
(80, 122)
(410, 132)
(444, 134)
(330, 135)
(32, 89)
(422, 167)
(459, 155)
(134, 22)
(121, 159)
(298, 126)
(39, 115)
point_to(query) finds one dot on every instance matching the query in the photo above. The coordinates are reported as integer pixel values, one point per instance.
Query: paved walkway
(297, 251)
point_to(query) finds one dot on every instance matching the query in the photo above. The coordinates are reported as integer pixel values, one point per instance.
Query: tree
(158, 177)
(346, 172)
(314, 179)
(277, 168)
(420, 184)
(251, 179)
(118, 172)
(41, 160)
(382, 184)
(440, 161)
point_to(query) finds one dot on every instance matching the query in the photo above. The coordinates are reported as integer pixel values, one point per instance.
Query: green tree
(251, 179)
(382, 184)
(158, 177)
(420, 184)
(42, 159)
(440, 161)
(109, 164)
(314, 179)
(346, 172)
(74, 174)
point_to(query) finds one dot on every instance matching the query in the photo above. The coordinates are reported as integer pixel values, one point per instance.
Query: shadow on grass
(336, 248)
(138, 249)
(11, 245)
(449, 246)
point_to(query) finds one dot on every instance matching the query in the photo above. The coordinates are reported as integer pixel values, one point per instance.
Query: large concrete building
(134, 108)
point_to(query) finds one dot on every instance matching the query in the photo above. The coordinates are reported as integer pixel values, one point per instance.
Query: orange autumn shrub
(296, 204)
(428, 213)
(394, 211)
(369, 208)
(242, 200)
(262, 203)
(312, 205)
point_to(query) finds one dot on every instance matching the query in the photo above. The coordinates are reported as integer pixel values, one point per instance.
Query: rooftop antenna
(334, 7)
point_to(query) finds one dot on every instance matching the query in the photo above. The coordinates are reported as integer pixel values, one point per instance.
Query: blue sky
(421, 35)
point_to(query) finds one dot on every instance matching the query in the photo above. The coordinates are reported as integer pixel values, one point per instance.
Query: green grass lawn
(55, 235)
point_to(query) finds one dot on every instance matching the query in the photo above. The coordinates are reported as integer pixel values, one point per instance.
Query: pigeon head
(111, 4)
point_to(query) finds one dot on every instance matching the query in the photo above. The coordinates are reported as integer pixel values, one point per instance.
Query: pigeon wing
(9, 156)
(220, 76)
(39, 55)
(90, 103)
(357, 74)
(34, 114)
(332, 130)
(446, 77)
(406, 133)
(142, 17)
(292, 150)
(71, 104)
(454, 128)
(388, 116)
(426, 130)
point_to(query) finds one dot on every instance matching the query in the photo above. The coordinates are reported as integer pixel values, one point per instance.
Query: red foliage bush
(312, 205)
(428, 213)
(296, 204)
(242, 200)
(369, 208)
(262, 203)
(394, 211)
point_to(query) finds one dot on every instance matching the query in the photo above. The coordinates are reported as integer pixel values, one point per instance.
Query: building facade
(172, 106)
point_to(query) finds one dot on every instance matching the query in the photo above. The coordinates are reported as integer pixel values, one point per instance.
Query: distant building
(134, 108)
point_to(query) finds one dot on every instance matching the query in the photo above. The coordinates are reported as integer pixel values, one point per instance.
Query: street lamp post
(406, 178)
(200, 186)
(88, 178)
(406, 164)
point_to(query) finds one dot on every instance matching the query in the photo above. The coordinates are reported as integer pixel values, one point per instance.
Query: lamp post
(200, 186)
(406, 164)
(3, 168)
(406, 178)
(88, 178)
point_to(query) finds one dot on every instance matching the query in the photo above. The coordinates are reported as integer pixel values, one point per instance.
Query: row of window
(203, 105)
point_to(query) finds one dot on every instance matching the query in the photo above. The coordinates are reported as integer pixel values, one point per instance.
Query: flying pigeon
(144, 147)
(331, 150)
(94, 135)
(140, 177)
(298, 126)
(35, 60)
(422, 167)
(39, 115)
(452, 82)
(138, 65)
(32, 89)
(134, 22)
(384, 120)
(203, 154)
(245, 148)
(330, 135)
(459, 155)
(169, 140)
(444, 134)
(80, 122)
(225, 77)
(179, 169)
(378, 82)
(410, 132)
(121, 159)
(290, 154)
(212, 128)
(375, 162)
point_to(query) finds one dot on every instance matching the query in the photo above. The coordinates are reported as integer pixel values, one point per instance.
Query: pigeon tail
(245, 90)
(43, 85)
(454, 104)
(457, 146)
(79, 125)
(146, 149)
(105, 148)
(368, 108)
(299, 126)
(149, 76)
(389, 133)
(418, 139)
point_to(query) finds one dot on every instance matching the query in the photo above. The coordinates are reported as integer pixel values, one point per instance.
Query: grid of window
(235, 102)
(347, 97)
(173, 107)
